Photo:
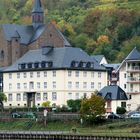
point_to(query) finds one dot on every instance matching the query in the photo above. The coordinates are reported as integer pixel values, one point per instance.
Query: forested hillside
(109, 27)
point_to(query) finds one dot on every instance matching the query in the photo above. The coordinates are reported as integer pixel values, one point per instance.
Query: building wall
(50, 36)
(116, 104)
(130, 77)
(67, 86)
(103, 61)
(5, 47)
(123, 78)
(113, 105)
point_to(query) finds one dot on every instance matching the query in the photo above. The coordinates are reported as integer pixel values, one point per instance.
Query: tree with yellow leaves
(92, 108)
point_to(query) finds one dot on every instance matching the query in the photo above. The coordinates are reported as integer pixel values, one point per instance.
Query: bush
(75, 105)
(46, 104)
(120, 110)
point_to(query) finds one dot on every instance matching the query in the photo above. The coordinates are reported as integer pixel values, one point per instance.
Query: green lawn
(115, 128)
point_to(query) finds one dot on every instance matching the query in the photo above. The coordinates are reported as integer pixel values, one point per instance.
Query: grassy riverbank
(115, 128)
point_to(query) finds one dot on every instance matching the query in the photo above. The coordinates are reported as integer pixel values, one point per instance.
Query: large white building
(52, 74)
(129, 79)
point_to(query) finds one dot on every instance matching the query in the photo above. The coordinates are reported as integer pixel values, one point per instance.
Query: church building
(16, 40)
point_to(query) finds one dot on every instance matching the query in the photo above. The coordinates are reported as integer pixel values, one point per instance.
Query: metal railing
(133, 79)
(134, 68)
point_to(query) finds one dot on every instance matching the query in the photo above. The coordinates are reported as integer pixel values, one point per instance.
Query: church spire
(37, 14)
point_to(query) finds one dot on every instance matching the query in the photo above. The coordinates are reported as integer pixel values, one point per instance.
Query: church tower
(37, 14)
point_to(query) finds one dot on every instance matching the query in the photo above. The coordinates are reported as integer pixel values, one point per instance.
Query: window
(92, 85)
(10, 97)
(77, 84)
(85, 95)
(99, 74)
(69, 96)
(76, 95)
(77, 73)
(10, 75)
(84, 84)
(123, 104)
(54, 84)
(31, 85)
(108, 104)
(2, 55)
(84, 74)
(54, 73)
(54, 96)
(92, 74)
(18, 85)
(124, 75)
(38, 74)
(45, 96)
(38, 96)
(125, 86)
(69, 84)
(69, 73)
(25, 85)
(18, 97)
(99, 85)
(45, 73)
(18, 75)
(24, 97)
(31, 74)
(45, 84)
(10, 86)
(25, 75)
(38, 85)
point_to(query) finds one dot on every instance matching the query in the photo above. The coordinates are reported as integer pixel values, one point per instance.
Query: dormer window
(16, 40)
(81, 64)
(43, 64)
(23, 66)
(29, 65)
(36, 64)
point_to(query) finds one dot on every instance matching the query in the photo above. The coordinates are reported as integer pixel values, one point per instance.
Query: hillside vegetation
(108, 27)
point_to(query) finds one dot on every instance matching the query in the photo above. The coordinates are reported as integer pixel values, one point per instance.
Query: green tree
(120, 110)
(74, 104)
(92, 107)
(2, 99)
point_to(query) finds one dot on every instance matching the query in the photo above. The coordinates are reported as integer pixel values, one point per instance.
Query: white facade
(56, 86)
(129, 81)
(103, 61)
(113, 104)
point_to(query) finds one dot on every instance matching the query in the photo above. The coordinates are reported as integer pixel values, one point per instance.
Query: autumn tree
(92, 107)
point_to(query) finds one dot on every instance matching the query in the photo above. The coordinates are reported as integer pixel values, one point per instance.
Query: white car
(136, 115)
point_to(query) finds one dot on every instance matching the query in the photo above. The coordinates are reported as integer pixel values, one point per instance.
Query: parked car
(16, 115)
(114, 116)
(135, 116)
(131, 113)
(30, 115)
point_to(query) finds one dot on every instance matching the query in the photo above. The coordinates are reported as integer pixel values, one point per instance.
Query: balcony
(113, 79)
(132, 91)
(134, 69)
(135, 80)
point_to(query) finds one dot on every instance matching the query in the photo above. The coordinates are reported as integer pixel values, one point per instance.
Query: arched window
(2, 55)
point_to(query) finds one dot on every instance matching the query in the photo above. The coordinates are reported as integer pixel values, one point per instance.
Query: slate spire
(37, 14)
